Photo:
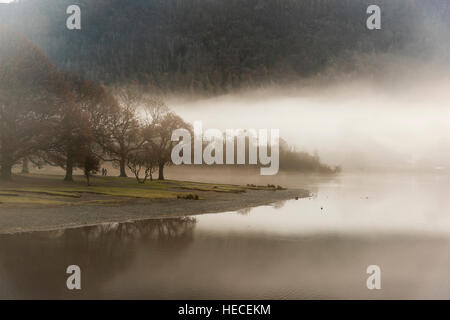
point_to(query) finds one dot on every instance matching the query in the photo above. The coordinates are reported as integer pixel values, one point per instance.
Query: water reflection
(33, 264)
(279, 204)
(244, 211)
(166, 259)
(317, 247)
(275, 205)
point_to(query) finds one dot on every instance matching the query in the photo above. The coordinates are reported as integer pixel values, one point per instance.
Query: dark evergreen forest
(216, 46)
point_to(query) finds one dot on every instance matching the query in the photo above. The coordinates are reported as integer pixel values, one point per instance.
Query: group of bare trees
(139, 136)
(61, 119)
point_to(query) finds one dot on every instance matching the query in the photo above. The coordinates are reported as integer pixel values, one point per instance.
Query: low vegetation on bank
(49, 190)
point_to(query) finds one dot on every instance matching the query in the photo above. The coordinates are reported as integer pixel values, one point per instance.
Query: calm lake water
(311, 248)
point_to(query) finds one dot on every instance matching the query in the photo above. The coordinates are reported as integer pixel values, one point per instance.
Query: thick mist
(398, 119)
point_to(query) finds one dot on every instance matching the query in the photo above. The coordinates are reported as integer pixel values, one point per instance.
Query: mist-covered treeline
(53, 117)
(49, 116)
(215, 46)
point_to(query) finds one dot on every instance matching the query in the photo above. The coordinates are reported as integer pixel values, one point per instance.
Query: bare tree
(69, 140)
(142, 161)
(123, 136)
(154, 108)
(159, 136)
(87, 125)
(31, 91)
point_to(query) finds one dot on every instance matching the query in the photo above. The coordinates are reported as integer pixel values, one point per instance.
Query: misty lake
(318, 247)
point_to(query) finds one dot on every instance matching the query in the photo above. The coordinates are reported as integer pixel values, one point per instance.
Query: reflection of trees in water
(276, 205)
(244, 211)
(279, 204)
(34, 264)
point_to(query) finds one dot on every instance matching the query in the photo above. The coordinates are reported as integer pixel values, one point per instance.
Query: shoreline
(23, 220)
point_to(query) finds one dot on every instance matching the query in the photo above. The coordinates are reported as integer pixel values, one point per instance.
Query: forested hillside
(215, 46)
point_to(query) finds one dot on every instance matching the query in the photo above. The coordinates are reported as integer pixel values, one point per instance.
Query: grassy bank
(45, 202)
(50, 190)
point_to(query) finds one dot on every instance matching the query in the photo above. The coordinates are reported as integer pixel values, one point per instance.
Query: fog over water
(389, 122)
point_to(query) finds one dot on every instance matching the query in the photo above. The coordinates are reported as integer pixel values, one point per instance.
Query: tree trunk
(6, 166)
(161, 171)
(123, 172)
(69, 168)
(25, 168)
(6, 171)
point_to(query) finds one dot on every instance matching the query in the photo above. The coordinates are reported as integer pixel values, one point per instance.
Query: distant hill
(216, 46)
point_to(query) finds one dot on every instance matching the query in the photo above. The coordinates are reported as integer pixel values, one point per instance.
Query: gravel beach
(14, 220)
